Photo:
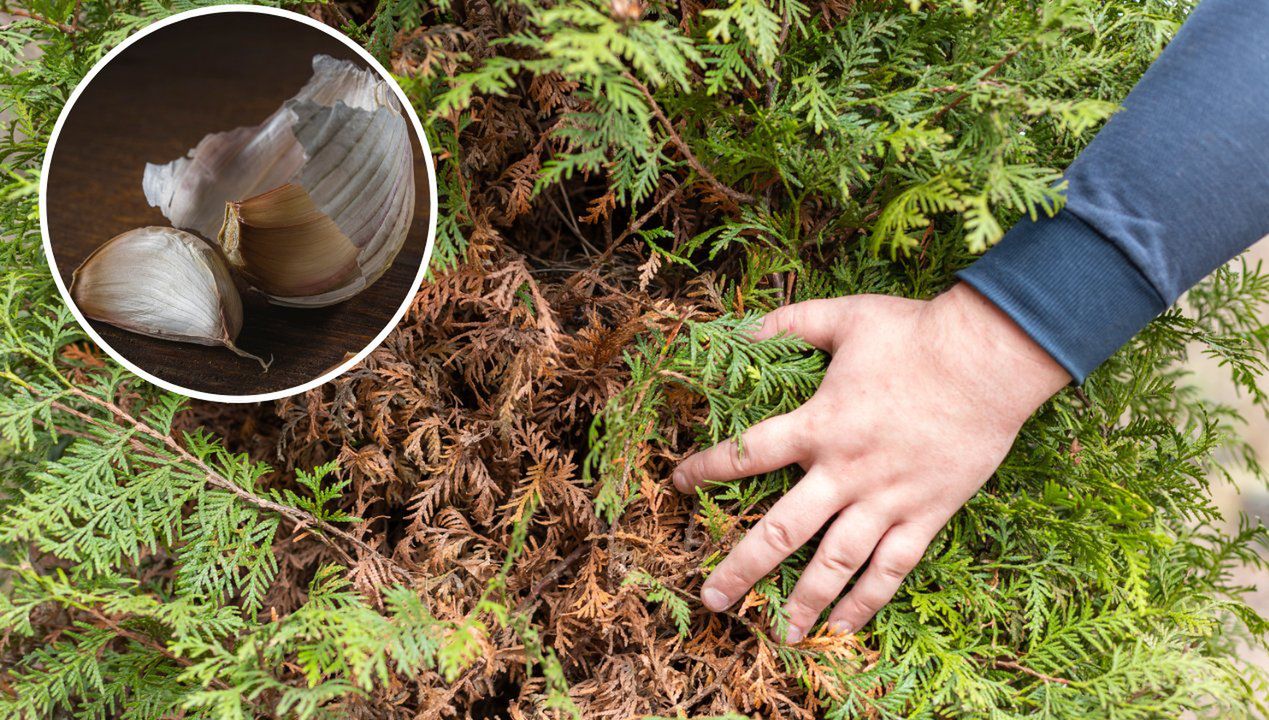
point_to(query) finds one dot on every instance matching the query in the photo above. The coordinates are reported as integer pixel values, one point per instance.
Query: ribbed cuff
(1069, 288)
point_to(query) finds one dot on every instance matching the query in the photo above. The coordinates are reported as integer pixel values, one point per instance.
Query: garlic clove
(162, 283)
(283, 245)
(355, 167)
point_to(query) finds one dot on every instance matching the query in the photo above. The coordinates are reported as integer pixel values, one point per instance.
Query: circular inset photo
(238, 203)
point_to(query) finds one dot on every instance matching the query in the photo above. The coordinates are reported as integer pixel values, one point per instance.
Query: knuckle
(779, 535)
(854, 608)
(687, 468)
(796, 609)
(790, 319)
(694, 464)
(771, 323)
(814, 598)
(736, 456)
(725, 580)
(897, 565)
(892, 569)
(786, 318)
(839, 561)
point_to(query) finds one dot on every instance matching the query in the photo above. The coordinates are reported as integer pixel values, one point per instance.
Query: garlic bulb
(163, 283)
(342, 145)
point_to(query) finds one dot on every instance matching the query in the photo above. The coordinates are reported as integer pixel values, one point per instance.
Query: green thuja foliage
(1094, 556)
(840, 147)
(1071, 586)
(656, 591)
(741, 381)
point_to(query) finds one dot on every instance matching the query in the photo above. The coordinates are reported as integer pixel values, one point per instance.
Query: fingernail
(680, 480)
(714, 600)
(794, 635)
(840, 627)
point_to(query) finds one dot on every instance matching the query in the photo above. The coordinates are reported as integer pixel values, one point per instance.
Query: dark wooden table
(152, 104)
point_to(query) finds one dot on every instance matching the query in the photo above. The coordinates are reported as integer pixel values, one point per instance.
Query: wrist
(991, 354)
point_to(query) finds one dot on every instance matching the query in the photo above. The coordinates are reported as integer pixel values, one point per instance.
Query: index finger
(786, 527)
(815, 321)
(769, 445)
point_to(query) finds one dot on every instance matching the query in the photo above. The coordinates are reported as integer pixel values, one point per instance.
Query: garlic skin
(344, 144)
(162, 283)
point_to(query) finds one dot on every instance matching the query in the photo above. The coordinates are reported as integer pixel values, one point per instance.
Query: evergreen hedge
(476, 521)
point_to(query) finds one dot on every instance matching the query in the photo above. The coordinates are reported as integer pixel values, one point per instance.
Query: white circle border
(431, 221)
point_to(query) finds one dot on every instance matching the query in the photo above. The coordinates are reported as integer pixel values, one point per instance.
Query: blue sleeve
(1175, 185)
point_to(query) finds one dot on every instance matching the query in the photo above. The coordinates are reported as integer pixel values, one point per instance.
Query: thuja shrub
(476, 522)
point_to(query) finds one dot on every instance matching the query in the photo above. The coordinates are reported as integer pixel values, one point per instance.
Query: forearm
(1174, 186)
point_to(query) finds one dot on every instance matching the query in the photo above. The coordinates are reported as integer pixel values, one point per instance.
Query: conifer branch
(1003, 664)
(727, 191)
(299, 518)
(23, 13)
(960, 98)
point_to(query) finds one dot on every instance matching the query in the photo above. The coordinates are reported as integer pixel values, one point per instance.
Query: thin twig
(576, 230)
(637, 224)
(572, 219)
(1001, 664)
(989, 72)
(729, 192)
(19, 12)
(551, 576)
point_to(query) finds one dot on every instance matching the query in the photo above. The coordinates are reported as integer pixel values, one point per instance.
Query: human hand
(919, 405)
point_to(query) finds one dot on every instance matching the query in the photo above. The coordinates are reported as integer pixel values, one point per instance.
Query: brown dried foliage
(481, 400)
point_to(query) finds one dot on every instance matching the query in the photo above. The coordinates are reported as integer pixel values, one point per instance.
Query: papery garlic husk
(164, 283)
(344, 143)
